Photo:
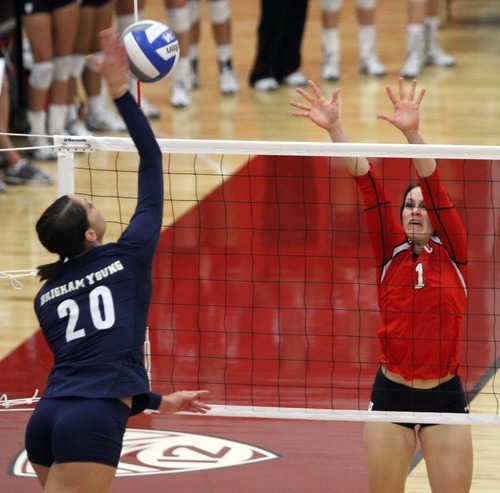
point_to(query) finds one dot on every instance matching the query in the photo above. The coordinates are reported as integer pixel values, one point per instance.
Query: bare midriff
(416, 383)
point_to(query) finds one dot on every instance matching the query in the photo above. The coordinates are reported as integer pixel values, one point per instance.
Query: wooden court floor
(460, 107)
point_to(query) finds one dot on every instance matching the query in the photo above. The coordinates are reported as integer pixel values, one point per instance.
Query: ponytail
(47, 272)
(61, 230)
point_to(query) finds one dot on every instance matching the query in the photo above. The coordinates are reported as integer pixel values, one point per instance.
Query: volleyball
(152, 50)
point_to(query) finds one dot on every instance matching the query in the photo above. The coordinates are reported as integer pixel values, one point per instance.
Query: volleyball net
(264, 284)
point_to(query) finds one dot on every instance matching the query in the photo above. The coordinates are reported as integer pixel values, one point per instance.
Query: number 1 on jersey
(419, 268)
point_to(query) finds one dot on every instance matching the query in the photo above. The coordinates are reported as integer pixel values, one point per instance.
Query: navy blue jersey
(94, 314)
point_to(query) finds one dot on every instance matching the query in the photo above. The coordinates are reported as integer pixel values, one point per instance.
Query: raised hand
(319, 110)
(326, 114)
(406, 115)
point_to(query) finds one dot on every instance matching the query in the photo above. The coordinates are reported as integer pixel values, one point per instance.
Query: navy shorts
(73, 429)
(94, 3)
(448, 397)
(29, 7)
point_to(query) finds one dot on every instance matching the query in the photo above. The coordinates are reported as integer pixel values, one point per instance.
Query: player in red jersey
(421, 282)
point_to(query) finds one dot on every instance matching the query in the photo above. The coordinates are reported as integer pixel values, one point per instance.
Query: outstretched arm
(406, 118)
(326, 114)
(144, 229)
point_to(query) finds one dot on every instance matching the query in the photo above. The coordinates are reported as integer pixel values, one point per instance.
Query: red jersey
(422, 298)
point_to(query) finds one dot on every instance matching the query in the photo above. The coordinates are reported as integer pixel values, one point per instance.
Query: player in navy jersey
(421, 260)
(93, 311)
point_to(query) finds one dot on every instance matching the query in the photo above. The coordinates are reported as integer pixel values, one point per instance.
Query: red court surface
(264, 294)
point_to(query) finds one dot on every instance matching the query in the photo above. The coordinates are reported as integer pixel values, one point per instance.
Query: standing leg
(65, 21)
(448, 456)
(194, 44)
(270, 30)
(220, 14)
(79, 477)
(180, 22)
(330, 16)
(101, 117)
(389, 450)
(434, 54)
(415, 43)
(38, 27)
(290, 58)
(369, 62)
(17, 170)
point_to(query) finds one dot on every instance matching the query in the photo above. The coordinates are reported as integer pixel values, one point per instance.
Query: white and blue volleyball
(152, 49)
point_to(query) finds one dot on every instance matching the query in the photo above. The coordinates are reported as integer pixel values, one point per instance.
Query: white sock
(431, 30)
(56, 119)
(224, 53)
(194, 51)
(415, 37)
(95, 105)
(331, 42)
(37, 121)
(366, 39)
(181, 72)
(123, 21)
(72, 113)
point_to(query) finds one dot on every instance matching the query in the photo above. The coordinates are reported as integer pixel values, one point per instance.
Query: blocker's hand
(184, 400)
(321, 111)
(406, 115)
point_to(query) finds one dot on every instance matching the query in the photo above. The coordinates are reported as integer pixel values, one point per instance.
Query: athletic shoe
(77, 127)
(266, 84)
(24, 173)
(295, 79)
(371, 65)
(436, 56)
(412, 65)
(179, 94)
(228, 84)
(45, 151)
(3, 186)
(330, 68)
(105, 121)
(194, 79)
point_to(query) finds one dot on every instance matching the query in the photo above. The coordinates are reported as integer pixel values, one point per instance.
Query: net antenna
(138, 84)
(234, 332)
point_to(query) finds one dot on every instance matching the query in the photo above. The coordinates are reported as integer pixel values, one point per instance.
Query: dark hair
(409, 188)
(61, 230)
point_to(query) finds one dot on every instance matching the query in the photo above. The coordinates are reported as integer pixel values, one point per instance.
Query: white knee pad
(62, 68)
(41, 75)
(219, 11)
(77, 65)
(194, 10)
(331, 6)
(124, 20)
(366, 4)
(179, 19)
(98, 55)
